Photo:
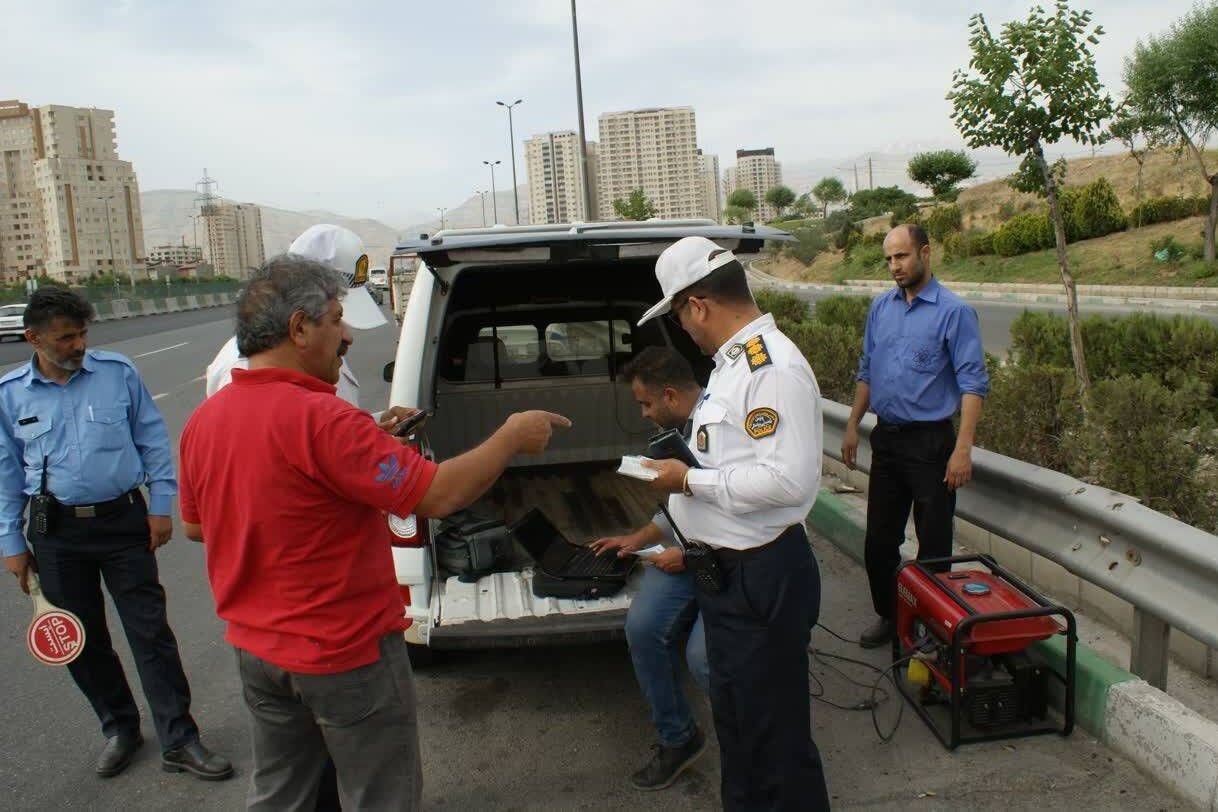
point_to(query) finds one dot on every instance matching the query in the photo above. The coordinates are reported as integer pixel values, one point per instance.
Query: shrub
(942, 221)
(1167, 209)
(1166, 442)
(981, 244)
(1023, 233)
(1096, 211)
(1028, 412)
(1006, 211)
(865, 254)
(974, 244)
(787, 308)
(833, 351)
(1166, 249)
(809, 241)
(843, 311)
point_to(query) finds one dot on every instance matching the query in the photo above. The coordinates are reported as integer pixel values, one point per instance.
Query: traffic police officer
(79, 425)
(757, 440)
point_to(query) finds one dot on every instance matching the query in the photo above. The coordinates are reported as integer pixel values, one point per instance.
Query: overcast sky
(386, 109)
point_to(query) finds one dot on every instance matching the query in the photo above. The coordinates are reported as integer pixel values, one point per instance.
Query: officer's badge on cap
(343, 250)
(682, 264)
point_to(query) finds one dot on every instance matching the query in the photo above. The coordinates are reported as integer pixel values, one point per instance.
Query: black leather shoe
(669, 762)
(117, 754)
(197, 759)
(876, 635)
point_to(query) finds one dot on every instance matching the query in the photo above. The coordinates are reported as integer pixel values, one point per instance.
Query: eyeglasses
(674, 311)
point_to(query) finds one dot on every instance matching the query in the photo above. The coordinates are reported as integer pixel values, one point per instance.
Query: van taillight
(409, 531)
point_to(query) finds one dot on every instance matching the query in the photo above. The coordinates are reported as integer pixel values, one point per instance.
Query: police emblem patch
(734, 351)
(761, 423)
(703, 439)
(759, 354)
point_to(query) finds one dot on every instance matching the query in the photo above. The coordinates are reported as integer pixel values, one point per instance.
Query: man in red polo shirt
(287, 485)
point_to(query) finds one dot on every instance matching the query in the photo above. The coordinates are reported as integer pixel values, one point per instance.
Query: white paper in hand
(649, 552)
(632, 466)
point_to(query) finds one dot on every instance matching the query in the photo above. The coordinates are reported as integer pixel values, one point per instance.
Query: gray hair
(283, 285)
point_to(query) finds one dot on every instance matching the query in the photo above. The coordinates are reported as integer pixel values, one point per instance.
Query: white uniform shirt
(758, 436)
(220, 373)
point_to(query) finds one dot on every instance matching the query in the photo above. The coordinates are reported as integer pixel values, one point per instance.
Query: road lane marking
(162, 349)
(162, 395)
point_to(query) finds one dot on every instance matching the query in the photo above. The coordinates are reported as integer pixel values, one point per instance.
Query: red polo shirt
(290, 485)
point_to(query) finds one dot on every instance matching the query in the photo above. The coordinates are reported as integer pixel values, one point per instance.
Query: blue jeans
(661, 615)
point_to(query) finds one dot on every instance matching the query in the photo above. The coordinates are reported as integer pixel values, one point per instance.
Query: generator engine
(972, 672)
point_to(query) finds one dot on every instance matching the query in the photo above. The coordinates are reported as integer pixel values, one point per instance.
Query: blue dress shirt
(101, 433)
(920, 357)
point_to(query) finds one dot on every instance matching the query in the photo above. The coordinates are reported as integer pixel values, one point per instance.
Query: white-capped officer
(342, 250)
(758, 441)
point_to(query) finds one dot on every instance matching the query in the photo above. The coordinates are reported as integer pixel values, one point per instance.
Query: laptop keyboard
(586, 563)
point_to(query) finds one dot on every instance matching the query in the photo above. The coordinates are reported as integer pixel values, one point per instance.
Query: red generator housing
(966, 636)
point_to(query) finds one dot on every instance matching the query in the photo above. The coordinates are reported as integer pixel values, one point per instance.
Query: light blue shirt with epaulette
(100, 433)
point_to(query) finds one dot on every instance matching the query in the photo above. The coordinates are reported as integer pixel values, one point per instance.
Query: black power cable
(877, 695)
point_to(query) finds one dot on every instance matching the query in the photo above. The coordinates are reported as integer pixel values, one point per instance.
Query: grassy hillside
(1124, 258)
(1166, 175)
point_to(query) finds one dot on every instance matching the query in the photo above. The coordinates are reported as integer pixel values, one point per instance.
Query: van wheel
(420, 656)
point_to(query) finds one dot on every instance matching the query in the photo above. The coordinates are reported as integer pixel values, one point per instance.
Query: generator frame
(959, 646)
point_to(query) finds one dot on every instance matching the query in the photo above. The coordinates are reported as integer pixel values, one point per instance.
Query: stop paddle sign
(56, 636)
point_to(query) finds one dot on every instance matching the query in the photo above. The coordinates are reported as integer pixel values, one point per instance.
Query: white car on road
(11, 321)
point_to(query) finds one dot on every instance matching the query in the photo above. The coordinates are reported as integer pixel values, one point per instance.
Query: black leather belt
(912, 426)
(732, 554)
(101, 508)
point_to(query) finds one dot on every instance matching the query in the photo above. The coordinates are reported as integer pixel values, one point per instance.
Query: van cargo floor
(583, 501)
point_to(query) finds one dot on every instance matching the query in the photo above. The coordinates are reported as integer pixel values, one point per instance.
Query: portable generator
(966, 637)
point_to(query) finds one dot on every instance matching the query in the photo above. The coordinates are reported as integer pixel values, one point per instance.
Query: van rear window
(546, 350)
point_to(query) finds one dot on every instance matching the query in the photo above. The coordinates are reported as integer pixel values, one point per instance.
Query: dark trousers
(72, 563)
(908, 464)
(757, 632)
(364, 719)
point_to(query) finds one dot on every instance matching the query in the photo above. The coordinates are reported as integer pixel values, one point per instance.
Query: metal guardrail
(1166, 569)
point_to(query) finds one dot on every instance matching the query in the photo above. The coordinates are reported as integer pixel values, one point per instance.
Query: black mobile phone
(410, 424)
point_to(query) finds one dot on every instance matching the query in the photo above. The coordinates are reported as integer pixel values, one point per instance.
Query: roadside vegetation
(1154, 396)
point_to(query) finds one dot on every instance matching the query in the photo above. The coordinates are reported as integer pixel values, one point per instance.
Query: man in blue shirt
(79, 425)
(922, 360)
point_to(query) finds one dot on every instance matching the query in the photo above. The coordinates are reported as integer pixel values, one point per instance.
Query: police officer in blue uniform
(79, 436)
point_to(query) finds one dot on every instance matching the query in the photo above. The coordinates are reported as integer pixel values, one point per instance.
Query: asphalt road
(527, 729)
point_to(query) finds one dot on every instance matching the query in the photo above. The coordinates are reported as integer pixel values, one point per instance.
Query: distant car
(378, 278)
(11, 321)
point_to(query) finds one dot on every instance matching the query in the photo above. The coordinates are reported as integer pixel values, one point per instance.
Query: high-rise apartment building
(69, 207)
(757, 171)
(655, 150)
(234, 237)
(556, 190)
(708, 170)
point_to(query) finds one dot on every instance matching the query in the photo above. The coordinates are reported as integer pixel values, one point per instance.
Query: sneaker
(669, 762)
(876, 635)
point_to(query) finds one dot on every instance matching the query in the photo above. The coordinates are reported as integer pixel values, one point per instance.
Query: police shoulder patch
(761, 423)
(758, 353)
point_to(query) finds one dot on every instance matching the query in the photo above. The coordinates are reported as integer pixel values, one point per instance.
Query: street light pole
(494, 196)
(442, 220)
(482, 196)
(110, 242)
(589, 215)
(512, 144)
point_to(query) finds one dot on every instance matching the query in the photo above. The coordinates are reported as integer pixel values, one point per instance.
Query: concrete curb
(1176, 746)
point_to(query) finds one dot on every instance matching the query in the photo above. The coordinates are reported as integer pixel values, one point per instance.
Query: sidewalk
(1173, 738)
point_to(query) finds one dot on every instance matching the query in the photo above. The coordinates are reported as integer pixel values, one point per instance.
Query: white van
(534, 317)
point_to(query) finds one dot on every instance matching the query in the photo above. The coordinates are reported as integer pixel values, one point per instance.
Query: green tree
(634, 207)
(1033, 85)
(743, 199)
(803, 206)
(829, 190)
(780, 197)
(734, 215)
(942, 171)
(882, 200)
(1131, 129)
(1172, 87)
